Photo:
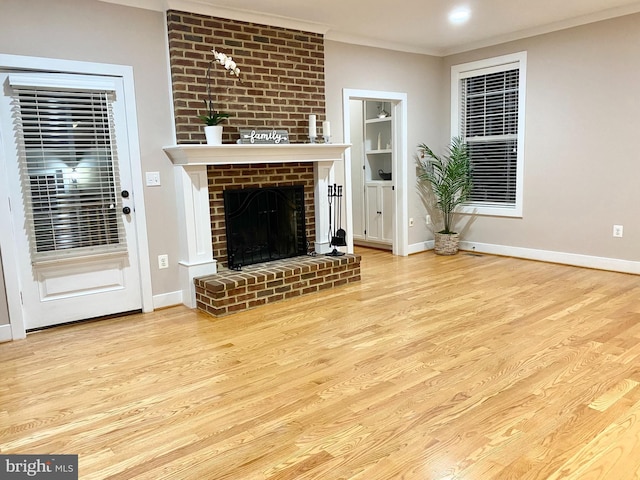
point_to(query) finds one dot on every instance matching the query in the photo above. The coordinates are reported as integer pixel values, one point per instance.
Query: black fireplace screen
(264, 224)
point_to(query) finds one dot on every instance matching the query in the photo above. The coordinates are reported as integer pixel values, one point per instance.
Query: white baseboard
(365, 243)
(5, 333)
(420, 247)
(167, 299)
(574, 259)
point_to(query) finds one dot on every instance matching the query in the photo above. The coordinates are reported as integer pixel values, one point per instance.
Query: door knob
(126, 210)
(125, 194)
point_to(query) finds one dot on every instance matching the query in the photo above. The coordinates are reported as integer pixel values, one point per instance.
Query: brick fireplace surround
(282, 84)
(203, 172)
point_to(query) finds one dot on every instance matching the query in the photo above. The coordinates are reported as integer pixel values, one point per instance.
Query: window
(69, 170)
(488, 113)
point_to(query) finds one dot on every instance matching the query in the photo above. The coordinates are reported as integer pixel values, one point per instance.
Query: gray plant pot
(446, 243)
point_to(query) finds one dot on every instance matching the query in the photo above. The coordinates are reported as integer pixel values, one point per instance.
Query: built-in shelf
(378, 120)
(243, 154)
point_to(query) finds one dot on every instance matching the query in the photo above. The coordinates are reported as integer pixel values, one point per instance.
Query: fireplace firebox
(264, 224)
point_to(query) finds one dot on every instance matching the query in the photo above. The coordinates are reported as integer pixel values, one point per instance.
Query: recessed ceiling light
(459, 15)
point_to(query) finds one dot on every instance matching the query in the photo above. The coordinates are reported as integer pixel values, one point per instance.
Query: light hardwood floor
(465, 367)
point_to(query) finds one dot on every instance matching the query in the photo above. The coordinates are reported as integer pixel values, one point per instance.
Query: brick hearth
(230, 291)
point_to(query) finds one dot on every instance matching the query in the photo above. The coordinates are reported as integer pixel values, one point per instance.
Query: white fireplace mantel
(243, 154)
(194, 218)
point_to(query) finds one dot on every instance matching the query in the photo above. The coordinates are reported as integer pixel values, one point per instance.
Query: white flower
(227, 62)
(214, 117)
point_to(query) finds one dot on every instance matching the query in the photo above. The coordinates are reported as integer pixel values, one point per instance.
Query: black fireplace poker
(337, 235)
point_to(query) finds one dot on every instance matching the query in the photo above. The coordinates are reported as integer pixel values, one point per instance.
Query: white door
(4, 309)
(71, 196)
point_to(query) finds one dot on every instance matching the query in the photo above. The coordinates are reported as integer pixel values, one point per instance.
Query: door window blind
(68, 164)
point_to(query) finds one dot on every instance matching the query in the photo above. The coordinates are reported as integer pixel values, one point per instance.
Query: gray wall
(581, 165)
(582, 116)
(581, 161)
(419, 76)
(89, 30)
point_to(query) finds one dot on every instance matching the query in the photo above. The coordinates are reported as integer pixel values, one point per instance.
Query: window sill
(513, 211)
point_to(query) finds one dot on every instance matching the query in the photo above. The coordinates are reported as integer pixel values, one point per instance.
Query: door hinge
(9, 200)
(365, 232)
(21, 300)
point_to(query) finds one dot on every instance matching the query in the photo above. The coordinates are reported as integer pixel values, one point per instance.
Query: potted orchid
(213, 118)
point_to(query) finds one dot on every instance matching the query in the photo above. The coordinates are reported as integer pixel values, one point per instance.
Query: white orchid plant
(227, 62)
(214, 117)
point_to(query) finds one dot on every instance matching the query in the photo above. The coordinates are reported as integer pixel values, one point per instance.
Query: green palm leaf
(449, 176)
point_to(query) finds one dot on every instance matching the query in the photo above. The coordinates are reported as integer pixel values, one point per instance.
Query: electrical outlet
(617, 230)
(163, 261)
(153, 179)
(428, 219)
(411, 222)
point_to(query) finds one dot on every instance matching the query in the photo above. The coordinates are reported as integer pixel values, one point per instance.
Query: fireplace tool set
(337, 235)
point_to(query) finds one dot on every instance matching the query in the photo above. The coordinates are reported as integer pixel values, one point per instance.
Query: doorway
(376, 169)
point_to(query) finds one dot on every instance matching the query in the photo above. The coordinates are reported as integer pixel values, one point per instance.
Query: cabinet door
(385, 195)
(379, 200)
(374, 213)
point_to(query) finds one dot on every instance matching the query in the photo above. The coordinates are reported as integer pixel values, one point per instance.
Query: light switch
(153, 179)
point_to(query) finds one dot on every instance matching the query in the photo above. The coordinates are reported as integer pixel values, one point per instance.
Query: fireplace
(200, 197)
(264, 224)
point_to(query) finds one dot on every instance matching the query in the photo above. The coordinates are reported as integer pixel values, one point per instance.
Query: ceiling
(419, 26)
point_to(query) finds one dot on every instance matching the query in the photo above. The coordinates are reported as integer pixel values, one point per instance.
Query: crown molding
(205, 7)
(550, 28)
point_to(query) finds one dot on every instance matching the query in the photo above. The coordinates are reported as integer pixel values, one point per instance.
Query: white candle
(312, 126)
(326, 129)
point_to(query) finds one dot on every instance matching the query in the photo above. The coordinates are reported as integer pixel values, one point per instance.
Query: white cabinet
(371, 172)
(379, 212)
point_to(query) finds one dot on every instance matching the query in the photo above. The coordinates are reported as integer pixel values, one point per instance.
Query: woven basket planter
(446, 243)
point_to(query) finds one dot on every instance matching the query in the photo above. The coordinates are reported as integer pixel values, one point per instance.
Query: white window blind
(490, 116)
(489, 125)
(68, 166)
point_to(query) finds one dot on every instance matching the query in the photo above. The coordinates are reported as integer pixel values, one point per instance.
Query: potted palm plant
(449, 178)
